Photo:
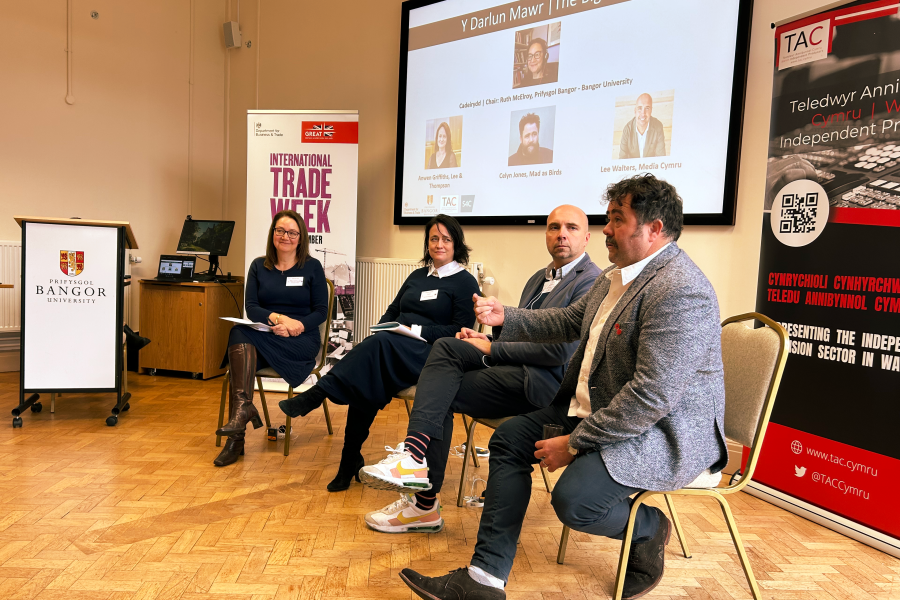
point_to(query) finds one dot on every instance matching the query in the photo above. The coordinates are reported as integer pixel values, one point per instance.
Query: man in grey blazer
(480, 376)
(641, 405)
(643, 136)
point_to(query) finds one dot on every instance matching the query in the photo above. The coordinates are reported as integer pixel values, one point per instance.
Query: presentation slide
(509, 109)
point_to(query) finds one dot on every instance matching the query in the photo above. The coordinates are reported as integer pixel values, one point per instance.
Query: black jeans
(586, 497)
(456, 380)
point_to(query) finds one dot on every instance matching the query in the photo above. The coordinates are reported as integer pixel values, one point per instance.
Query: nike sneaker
(399, 472)
(403, 516)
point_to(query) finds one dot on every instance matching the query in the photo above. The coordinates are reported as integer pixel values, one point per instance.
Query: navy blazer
(545, 364)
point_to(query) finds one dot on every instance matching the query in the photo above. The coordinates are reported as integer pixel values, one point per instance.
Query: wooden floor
(138, 511)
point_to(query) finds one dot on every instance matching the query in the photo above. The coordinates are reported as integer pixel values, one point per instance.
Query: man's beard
(531, 148)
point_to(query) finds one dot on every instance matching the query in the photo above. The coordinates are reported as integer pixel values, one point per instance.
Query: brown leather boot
(242, 364)
(234, 447)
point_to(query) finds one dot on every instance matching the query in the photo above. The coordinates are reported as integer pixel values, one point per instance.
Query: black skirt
(292, 357)
(375, 370)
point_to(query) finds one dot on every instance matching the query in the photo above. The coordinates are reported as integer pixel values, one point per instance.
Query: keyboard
(865, 176)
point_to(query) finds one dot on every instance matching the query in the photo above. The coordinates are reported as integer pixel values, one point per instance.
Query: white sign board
(308, 162)
(71, 331)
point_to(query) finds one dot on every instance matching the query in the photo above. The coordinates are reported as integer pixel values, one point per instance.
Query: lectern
(73, 279)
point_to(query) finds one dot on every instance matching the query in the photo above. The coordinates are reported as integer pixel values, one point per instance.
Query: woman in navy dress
(434, 301)
(286, 289)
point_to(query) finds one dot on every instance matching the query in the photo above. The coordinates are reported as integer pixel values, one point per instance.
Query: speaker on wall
(232, 34)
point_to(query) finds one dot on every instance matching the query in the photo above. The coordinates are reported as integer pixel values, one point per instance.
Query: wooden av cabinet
(182, 321)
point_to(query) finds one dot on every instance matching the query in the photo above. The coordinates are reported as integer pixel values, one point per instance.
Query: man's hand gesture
(479, 340)
(488, 311)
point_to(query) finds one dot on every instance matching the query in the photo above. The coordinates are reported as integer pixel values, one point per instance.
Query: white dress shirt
(553, 276)
(620, 280)
(642, 137)
(451, 268)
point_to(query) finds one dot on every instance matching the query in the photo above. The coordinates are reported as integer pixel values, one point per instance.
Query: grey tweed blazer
(657, 388)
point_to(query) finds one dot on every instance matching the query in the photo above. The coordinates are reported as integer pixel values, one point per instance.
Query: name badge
(549, 285)
(429, 295)
(294, 281)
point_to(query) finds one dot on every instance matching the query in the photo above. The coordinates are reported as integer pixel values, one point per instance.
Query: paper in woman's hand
(249, 323)
(394, 327)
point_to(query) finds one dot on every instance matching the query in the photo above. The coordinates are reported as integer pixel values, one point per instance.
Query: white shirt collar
(563, 270)
(451, 268)
(631, 272)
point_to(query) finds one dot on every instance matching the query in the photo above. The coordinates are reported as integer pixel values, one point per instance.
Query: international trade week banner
(829, 270)
(308, 162)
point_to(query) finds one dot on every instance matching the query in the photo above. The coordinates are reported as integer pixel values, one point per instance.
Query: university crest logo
(71, 262)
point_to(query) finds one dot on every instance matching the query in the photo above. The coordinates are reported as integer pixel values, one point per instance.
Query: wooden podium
(73, 280)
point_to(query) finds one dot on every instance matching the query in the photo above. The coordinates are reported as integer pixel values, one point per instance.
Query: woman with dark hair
(537, 70)
(286, 289)
(435, 301)
(443, 156)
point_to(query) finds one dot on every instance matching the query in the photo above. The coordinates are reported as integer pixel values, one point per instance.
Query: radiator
(377, 283)
(10, 272)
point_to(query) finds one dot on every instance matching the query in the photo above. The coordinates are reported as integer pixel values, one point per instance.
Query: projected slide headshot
(531, 136)
(536, 58)
(443, 143)
(643, 125)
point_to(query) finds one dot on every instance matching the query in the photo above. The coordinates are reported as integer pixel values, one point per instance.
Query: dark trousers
(586, 497)
(455, 379)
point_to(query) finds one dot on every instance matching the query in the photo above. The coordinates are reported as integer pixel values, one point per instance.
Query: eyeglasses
(281, 232)
(535, 56)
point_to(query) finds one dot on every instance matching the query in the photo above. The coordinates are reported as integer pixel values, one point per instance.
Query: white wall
(121, 151)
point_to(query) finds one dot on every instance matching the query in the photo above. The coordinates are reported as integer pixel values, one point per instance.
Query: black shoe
(136, 340)
(455, 585)
(230, 453)
(303, 404)
(345, 475)
(646, 560)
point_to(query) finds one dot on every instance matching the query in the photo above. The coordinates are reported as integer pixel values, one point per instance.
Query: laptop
(175, 268)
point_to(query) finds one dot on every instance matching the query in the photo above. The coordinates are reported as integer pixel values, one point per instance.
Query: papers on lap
(248, 322)
(394, 327)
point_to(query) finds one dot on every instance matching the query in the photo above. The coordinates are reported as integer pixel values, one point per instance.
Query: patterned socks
(416, 443)
(425, 501)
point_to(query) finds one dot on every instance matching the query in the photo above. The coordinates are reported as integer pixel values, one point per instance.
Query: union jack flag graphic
(327, 130)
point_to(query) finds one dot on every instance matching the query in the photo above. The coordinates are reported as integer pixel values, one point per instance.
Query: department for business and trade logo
(71, 262)
(259, 130)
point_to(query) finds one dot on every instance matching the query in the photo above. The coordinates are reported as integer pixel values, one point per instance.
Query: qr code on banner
(798, 213)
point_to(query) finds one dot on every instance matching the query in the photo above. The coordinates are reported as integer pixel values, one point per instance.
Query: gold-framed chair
(753, 361)
(324, 329)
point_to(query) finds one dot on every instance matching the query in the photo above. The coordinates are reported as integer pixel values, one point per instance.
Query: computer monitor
(206, 237)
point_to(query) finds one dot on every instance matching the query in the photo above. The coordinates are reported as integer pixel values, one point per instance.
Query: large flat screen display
(508, 109)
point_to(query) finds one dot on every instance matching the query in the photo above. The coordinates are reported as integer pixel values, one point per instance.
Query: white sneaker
(399, 472)
(404, 516)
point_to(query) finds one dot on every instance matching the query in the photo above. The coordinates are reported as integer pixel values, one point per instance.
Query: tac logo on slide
(71, 262)
(331, 132)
